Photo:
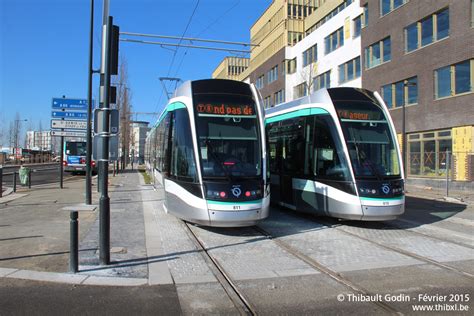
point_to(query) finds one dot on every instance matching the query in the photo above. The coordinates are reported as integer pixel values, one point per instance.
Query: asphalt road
(41, 174)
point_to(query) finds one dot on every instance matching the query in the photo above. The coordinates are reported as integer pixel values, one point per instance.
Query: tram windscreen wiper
(218, 160)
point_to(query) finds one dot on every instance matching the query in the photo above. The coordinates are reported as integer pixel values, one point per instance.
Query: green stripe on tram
(298, 113)
(233, 203)
(171, 107)
(382, 199)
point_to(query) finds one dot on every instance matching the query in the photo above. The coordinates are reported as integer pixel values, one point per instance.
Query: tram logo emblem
(385, 189)
(236, 191)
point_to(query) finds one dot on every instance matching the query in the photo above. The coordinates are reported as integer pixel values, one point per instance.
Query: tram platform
(156, 269)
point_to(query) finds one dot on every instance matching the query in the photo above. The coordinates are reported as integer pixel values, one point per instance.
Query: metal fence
(36, 175)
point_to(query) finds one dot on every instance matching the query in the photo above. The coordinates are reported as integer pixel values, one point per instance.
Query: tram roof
(326, 96)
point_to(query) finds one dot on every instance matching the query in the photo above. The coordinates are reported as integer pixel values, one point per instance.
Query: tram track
(401, 251)
(338, 227)
(239, 300)
(395, 226)
(327, 271)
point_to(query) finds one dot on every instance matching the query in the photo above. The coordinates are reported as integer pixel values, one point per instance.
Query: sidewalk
(439, 193)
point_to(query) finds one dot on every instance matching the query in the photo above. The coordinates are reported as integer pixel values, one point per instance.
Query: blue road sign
(69, 115)
(70, 104)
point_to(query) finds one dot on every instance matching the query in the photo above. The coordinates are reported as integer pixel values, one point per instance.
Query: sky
(44, 47)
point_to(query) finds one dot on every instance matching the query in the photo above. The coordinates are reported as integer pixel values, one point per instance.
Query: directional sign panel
(76, 124)
(70, 104)
(68, 133)
(69, 115)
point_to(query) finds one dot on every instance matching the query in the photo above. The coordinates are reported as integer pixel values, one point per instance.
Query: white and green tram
(335, 153)
(208, 151)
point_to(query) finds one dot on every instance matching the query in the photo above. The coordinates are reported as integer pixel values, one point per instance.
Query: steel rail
(231, 289)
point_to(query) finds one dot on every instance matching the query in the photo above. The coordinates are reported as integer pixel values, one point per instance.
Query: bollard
(14, 181)
(448, 165)
(29, 179)
(74, 243)
(74, 232)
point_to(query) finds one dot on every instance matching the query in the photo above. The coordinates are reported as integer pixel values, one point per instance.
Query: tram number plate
(236, 207)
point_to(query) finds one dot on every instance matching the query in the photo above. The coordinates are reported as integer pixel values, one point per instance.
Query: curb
(70, 278)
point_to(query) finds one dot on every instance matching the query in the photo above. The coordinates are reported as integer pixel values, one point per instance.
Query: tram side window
(183, 165)
(328, 163)
(293, 146)
(273, 147)
(164, 144)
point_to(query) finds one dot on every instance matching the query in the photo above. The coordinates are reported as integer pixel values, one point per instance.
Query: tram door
(286, 176)
(292, 157)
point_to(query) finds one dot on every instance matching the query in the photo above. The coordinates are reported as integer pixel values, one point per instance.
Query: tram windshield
(370, 142)
(228, 136)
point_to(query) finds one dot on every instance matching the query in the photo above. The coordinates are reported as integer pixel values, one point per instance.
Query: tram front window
(370, 142)
(227, 128)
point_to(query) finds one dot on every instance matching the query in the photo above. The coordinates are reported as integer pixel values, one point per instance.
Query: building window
(365, 16)
(387, 6)
(334, 40)
(378, 53)
(297, 11)
(472, 13)
(401, 93)
(310, 55)
(357, 23)
(322, 81)
(259, 82)
(427, 153)
(329, 16)
(291, 66)
(426, 31)
(279, 97)
(272, 74)
(349, 70)
(294, 37)
(300, 90)
(267, 102)
(454, 79)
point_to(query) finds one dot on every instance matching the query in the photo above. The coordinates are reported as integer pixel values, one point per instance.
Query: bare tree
(307, 74)
(124, 106)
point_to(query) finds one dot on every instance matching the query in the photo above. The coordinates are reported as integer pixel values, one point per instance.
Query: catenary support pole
(89, 113)
(104, 201)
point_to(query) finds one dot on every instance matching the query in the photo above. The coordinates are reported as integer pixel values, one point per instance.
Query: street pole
(61, 166)
(89, 114)
(104, 201)
(404, 142)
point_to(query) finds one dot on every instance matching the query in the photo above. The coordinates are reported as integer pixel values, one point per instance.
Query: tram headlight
(216, 194)
(368, 191)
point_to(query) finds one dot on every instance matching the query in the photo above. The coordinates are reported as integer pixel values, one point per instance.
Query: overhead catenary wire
(185, 45)
(187, 39)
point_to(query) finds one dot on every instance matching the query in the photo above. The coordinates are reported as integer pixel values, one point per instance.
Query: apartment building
(329, 54)
(231, 68)
(419, 55)
(139, 129)
(39, 140)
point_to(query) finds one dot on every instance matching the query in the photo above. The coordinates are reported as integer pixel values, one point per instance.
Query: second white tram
(335, 153)
(208, 151)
